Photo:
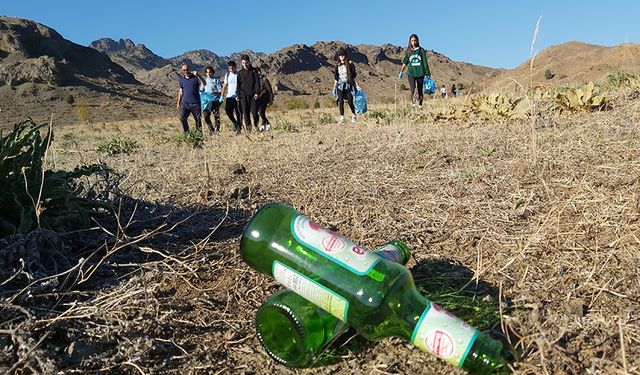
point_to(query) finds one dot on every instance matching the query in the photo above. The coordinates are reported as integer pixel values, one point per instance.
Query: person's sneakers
(267, 126)
(341, 121)
(353, 119)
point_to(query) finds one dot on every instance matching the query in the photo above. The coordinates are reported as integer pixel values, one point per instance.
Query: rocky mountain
(199, 59)
(138, 58)
(570, 63)
(108, 45)
(39, 69)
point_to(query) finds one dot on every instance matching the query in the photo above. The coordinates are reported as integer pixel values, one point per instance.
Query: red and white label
(441, 333)
(333, 246)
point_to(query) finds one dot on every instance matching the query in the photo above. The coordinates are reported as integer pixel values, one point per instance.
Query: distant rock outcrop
(138, 58)
(108, 45)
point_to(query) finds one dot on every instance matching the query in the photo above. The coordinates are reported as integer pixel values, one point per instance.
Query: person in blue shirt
(189, 97)
(210, 97)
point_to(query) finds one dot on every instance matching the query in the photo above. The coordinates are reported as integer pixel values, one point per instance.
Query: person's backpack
(429, 86)
(360, 102)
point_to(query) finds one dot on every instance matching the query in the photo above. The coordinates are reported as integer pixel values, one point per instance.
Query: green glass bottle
(294, 331)
(375, 296)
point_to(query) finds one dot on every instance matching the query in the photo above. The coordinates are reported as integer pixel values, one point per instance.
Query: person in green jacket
(415, 61)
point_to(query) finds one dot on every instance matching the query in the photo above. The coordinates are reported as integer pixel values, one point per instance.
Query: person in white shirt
(210, 95)
(229, 88)
(443, 92)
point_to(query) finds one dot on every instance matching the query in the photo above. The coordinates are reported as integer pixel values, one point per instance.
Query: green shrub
(193, 137)
(620, 78)
(69, 99)
(548, 74)
(286, 126)
(316, 104)
(83, 112)
(118, 146)
(325, 119)
(296, 103)
(379, 117)
(32, 197)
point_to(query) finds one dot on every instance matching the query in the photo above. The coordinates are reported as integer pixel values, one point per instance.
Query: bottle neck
(395, 251)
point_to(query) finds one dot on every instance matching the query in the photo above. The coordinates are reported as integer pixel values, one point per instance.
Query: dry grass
(553, 224)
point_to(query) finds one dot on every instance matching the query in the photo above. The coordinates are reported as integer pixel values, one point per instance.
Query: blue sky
(490, 33)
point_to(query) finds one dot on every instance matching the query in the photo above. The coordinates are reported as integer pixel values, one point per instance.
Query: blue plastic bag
(360, 102)
(429, 86)
(206, 101)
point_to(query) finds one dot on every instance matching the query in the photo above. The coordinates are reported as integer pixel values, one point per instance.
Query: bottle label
(333, 246)
(319, 295)
(441, 333)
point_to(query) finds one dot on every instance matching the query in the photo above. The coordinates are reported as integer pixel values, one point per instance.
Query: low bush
(33, 197)
(118, 146)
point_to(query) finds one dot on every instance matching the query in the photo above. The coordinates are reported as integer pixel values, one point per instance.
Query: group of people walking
(247, 92)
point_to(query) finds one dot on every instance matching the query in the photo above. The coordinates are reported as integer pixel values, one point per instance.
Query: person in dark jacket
(265, 98)
(248, 90)
(344, 84)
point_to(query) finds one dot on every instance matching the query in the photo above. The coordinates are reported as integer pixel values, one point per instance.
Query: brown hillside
(39, 69)
(570, 63)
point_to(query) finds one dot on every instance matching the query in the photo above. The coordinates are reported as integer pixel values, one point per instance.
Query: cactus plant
(584, 98)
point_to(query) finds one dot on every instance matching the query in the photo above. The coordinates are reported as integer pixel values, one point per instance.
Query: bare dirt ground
(545, 213)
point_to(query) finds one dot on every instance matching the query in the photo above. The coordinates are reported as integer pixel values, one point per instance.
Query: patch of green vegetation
(32, 197)
(118, 146)
(285, 126)
(296, 103)
(195, 138)
(325, 119)
(620, 78)
(379, 117)
(548, 74)
(466, 175)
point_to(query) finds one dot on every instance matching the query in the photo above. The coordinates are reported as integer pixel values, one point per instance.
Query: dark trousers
(248, 107)
(416, 83)
(342, 95)
(215, 109)
(233, 112)
(185, 110)
(262, 103)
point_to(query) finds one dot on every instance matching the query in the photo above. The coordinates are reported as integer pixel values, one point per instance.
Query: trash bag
(429, 86)
(360, 102)
(206, 100)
